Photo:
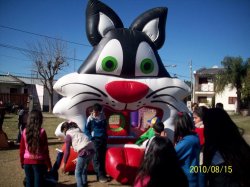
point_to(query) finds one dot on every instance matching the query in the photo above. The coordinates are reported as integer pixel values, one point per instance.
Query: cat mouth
(132, 118)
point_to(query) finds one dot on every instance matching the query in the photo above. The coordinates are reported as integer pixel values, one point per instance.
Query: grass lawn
(10, 169)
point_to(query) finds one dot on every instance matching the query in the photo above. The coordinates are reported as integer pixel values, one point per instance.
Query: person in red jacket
(198, 115)
(34, 151)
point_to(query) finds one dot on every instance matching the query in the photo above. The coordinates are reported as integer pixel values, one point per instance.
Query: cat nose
(126, 91)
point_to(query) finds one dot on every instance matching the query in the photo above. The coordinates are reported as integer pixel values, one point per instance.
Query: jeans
(99, 156)
(35, 174)
(53, 173)
(81, 170)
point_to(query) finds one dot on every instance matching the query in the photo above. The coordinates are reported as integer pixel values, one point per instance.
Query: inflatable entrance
(125, 74)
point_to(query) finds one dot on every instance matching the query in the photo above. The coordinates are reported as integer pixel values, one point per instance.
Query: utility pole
(191, 79)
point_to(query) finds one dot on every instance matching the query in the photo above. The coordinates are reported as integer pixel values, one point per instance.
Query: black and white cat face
(124, 70)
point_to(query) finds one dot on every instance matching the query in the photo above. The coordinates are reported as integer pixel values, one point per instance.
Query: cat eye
(110, 60)
(147, 66)
(145, 62)
(109, 64)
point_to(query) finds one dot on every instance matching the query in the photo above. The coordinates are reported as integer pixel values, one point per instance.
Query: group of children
(210, 139)
(34, 152)
(208, 150)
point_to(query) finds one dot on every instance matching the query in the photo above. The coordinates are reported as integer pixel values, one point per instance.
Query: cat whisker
(84, 93)
(163, 95)
(100, 91)
(86, 100)
(167, 87)
(165, 102)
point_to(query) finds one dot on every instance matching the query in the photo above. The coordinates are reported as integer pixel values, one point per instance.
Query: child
(95, 129)
(158, 131)
(34, 152)
(160, 166)
(198, 114)
(83, 146)
(187, 146)
(22, 121)
(149, 133)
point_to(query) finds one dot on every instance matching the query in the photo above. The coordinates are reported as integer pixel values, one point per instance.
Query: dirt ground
(12, 175)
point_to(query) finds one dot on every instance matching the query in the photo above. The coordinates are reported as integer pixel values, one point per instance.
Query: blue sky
(201, 31)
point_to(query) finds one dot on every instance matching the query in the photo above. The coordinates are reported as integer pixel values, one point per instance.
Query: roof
(209, 71)
(11, 79)
(31, 80)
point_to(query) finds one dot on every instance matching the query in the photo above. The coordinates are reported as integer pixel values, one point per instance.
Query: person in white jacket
(83, 146)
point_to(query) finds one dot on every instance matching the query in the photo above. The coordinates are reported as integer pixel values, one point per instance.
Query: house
(204, 90)
(16, 91)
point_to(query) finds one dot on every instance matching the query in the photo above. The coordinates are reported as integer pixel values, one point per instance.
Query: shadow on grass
(62, 185)
(8, 117)
(55, 143)
(53, 138)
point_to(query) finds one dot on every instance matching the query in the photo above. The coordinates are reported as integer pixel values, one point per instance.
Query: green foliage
(246, 87)
(234, 74)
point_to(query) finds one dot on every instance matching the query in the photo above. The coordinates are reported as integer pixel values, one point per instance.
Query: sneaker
(103, 179)
(59, 150)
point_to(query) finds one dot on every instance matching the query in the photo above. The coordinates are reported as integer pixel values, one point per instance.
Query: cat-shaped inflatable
(124, 71)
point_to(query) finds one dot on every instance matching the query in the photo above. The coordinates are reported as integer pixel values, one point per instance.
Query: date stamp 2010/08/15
(211, 169)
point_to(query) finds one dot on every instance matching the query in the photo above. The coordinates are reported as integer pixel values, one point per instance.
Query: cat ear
(99, 20)
(152, 23)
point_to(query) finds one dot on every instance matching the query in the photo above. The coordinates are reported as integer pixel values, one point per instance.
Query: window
(232, 100)
(13, 90)
(203, 80)
(202, 99)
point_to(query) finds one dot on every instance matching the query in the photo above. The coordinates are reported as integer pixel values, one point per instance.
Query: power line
(14, 57)
(42, 35)
(26, 50)
(30, 51)
(76, 43)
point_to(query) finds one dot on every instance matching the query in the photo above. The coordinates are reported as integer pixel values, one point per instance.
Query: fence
(13, 101)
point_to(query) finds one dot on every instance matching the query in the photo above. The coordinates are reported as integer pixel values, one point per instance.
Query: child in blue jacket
(95, 129)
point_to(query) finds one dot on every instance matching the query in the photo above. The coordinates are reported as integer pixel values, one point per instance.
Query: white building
(17, 90)
(204, 90)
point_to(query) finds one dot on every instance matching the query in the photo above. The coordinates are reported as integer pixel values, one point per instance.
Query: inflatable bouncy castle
(124, 73)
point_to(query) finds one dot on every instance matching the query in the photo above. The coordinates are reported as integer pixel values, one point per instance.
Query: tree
(48, 57)
(189, 98)
(246, 87)
(233, 75)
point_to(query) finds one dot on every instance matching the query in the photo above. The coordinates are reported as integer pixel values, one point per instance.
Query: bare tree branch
(48, 58)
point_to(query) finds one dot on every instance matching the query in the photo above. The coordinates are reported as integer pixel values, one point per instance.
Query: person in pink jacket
(34, 152)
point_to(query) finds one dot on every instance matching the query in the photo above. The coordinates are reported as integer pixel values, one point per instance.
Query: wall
(223, 98)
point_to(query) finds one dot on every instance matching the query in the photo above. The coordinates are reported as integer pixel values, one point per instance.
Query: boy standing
(95, 129)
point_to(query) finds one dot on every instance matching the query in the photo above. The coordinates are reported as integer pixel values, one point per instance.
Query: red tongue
(126, 91)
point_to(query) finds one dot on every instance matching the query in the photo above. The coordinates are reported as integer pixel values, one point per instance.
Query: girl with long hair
(187, 146)
(225, 149)
(160, 167)
(34, 152)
